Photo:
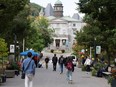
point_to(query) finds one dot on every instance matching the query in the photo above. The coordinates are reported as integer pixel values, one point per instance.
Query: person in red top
(36, 59)
(70, 67)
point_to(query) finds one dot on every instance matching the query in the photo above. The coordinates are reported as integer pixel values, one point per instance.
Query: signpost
(98, 49)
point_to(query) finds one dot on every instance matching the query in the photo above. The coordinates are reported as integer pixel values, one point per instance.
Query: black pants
(88, 68)
(54, 66)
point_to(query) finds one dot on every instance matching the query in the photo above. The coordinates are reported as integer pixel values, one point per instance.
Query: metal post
(15, 40)
(23, 44)
(90, 52)
(95, 48)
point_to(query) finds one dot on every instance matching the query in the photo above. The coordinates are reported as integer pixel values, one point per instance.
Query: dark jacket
(54, 59)
(46, 59)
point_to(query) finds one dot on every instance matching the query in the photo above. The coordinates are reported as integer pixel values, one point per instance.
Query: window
(74, 25)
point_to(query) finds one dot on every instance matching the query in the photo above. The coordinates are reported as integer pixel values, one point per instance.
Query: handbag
(23, 75)
(23, 72)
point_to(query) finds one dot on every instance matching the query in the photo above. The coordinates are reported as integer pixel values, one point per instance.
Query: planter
(3, 78)
(113, 83)
(10, 73)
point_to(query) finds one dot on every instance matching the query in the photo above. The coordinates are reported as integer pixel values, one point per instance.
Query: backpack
(61, 60)
(69, 66)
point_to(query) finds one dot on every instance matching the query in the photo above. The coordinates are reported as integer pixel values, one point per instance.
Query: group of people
(28, 67)
(63, 62)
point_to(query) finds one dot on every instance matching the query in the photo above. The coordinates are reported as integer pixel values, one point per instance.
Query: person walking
(28, 67)
(88, 64)
(46, 61)
(54, 61)
(69, 66)
(61, 62)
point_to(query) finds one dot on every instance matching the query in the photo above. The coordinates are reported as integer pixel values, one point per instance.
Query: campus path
(50, 78)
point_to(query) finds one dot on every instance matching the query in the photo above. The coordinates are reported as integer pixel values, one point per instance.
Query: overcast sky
(69, 6)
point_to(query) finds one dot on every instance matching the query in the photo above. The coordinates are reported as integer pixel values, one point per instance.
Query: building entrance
(57, 41)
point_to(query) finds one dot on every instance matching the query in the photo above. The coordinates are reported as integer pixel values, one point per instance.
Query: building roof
(49, 10)
(76, 16)
(51, 17)
(58, 2)
(65, 18)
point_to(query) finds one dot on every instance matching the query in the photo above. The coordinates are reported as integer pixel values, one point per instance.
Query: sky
(69, 6)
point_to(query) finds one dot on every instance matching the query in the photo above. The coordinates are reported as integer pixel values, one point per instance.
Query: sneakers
(70, 82)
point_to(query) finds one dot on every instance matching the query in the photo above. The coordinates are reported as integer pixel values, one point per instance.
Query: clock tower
(58, 9)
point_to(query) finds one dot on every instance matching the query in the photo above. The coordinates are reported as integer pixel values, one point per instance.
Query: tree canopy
(100, 21)
(42, 34)
(8, 10)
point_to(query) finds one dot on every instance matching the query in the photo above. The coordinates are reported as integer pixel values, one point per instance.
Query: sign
(98, 49)
(12, 48)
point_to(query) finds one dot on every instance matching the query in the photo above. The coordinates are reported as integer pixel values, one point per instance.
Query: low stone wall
(10, 73)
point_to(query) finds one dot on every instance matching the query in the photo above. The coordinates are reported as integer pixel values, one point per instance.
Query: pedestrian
(46, 61)
(115, 61)
(61, 63)
(54, 61)
(88, 64)
(28, 67)
(35, 58)
(69, 66)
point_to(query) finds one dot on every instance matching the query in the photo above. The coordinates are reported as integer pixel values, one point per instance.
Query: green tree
(3, 48)
(40, 35)
(34, 9)
(8, 10)
(101, 23)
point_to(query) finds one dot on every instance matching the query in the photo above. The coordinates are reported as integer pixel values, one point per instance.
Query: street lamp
(15, 41)
(95, 48)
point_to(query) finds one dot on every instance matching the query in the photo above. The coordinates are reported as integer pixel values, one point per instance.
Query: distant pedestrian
(35, 58)
(61, 63)
(28, 67)
(54, 61)
(46, 61)
(88, 64)
(69, 66)
(115, 61)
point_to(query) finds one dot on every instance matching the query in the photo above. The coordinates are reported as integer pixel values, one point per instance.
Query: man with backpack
(70, 68)
(61, 62)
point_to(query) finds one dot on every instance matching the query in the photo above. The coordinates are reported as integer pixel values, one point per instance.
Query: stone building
(65, 27)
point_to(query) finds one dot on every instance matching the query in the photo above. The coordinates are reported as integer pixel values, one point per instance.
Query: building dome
(58, 2)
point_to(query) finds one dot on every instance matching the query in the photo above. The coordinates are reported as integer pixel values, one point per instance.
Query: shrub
(83, 68)
(52, 50)
(63, 51)
(94, 72)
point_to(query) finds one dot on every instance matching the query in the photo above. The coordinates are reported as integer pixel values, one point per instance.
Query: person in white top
(88, 64)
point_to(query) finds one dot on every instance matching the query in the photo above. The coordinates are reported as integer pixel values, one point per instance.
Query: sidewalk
(50, 78)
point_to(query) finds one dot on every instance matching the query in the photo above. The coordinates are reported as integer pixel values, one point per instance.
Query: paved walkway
(49, 78)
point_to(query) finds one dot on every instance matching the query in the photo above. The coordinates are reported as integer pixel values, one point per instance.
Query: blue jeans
(69, 74)
(61, 68)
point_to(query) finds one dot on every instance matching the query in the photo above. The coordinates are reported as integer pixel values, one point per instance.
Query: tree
(35, 9)
(40, 35)
(3, 48)
(8, 10)
(101, 23)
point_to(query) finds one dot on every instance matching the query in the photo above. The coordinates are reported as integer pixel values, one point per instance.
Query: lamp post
(95, 48)
(15, 41)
